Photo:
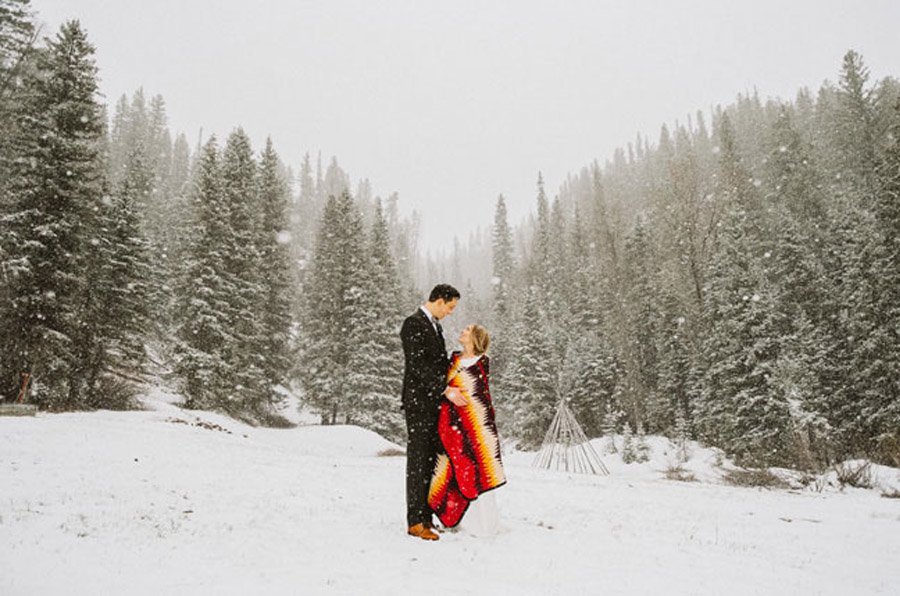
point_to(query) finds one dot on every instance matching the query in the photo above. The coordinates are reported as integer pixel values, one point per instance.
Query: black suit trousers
(422, 446)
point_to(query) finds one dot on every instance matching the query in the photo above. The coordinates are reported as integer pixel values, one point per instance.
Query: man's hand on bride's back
(455, 396)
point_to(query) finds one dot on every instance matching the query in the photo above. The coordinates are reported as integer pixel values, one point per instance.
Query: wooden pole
(26, 377)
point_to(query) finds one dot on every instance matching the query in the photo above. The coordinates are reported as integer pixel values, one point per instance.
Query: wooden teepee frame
(566, 447)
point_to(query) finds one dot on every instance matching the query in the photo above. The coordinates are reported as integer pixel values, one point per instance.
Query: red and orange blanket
(469, 463)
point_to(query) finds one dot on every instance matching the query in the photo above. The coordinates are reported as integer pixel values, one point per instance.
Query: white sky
(452, 103)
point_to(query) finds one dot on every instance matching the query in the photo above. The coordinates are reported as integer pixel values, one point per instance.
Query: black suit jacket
(425, 373)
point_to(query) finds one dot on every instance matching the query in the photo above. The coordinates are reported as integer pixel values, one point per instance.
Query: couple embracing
(453, 449)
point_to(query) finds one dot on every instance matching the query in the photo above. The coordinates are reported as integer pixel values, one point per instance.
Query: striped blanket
(469, 463)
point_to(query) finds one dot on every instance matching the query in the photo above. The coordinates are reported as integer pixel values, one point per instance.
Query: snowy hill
(174, 501)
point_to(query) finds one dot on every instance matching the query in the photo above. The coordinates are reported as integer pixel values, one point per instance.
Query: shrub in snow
(762, 478)
(857, 474)
(635, 448)
(678, 473)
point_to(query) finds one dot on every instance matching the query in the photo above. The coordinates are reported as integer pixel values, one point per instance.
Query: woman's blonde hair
(480, 339)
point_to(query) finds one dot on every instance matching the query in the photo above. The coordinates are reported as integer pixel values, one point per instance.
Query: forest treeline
(126, 254)
(735, 281)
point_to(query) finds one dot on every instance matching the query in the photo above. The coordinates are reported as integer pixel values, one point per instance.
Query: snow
(167, 500)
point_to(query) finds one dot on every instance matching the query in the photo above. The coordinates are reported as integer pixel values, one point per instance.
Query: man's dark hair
(444, 292)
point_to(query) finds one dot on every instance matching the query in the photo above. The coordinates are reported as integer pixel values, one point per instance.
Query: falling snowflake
(283, 237)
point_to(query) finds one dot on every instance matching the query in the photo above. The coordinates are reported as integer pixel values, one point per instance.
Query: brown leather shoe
(420, 531)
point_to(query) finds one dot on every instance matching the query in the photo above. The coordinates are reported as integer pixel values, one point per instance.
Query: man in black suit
(424, 383)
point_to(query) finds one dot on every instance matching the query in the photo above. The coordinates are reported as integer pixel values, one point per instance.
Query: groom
(424, 382)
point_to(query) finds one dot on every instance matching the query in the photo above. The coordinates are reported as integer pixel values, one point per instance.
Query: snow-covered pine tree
(676, 367)
(612, 418)
(55, 187)
(590, 370)
(503, 264)
(276, 283)
(336, 182)
(854, 131)
(303, 219)
(539, 264)
(558, 275)
(588, 380)
(737, 406)
(139, 128)
(176, 222)
(629, 454)
(120, 275)
(797, 212)
(642, 319)
(529, 383)
(374, 379)
(162, 206)
(205, 314)
(17, 36)
(885, 408)
(243, 268)
(502, 287)
(335, 303)
(856, 374)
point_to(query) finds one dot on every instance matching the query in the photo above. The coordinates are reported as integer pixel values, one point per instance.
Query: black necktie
(440, 330)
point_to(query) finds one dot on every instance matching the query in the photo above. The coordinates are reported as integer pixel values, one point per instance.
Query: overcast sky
(453, 103)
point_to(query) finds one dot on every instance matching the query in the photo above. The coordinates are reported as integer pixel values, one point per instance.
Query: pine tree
(737, 406)
(642, 319)
(529, 384)
(676, 382)
(588, 380)
(503, 264)
(275, 309)
(245, 355)
(304, 216)
(374, 380)
(56, 184)
(884, 402)
(854, 127)
(502, 286)
(17, 37)
(799, 218)
(335, 300)
(611, 421)
(540, 257)
(205, 330)
(120, 274)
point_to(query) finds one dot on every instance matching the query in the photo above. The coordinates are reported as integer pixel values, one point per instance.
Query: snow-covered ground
(168, 501)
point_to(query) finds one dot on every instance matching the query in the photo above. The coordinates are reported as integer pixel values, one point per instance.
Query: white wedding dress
(482, 518)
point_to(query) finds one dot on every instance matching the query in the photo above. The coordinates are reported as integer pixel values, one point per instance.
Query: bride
(468, 467)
